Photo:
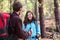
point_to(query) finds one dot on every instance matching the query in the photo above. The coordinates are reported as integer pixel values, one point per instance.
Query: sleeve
(19, 32)
(38, 28)
(23, 27)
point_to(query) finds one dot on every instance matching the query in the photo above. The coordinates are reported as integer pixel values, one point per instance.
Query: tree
(10, 6)
(41, 16)
(1, 5)
(15, 0)
(25, 2)
(36, 9)
(56, 16)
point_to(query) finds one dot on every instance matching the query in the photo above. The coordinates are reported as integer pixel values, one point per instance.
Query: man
(15, 24)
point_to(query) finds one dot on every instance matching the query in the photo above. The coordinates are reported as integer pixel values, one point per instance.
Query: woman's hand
(38, 35)
(30, 32)
(25, 30)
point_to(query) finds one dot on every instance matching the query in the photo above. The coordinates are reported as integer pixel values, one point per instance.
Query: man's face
(20, 11)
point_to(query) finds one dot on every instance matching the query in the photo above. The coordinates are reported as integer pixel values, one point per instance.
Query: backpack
(4, 28)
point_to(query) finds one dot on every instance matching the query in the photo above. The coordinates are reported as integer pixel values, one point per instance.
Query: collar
(15, 13)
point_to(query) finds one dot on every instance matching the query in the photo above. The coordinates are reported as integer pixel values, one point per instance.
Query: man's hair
(17, 6)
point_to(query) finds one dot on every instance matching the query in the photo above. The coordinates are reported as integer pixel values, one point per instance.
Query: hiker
(3, 25)
(15, 24)
(30, 24)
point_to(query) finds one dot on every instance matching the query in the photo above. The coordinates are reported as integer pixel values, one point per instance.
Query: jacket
(35, 29)
(16, 26)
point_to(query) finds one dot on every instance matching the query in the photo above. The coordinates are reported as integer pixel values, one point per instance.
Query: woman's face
(29, 16)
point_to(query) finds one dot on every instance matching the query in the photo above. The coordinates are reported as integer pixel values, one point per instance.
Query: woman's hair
(26, 20)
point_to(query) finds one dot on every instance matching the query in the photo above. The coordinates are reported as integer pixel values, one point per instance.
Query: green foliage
(27, 5)
(4, 5)
(48, 6)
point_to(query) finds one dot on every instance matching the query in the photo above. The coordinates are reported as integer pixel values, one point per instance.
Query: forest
(47, 12)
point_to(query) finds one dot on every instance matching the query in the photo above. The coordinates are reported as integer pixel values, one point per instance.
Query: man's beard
(19, 13)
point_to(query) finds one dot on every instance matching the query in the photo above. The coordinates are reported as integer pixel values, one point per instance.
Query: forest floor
(42, 39)
(46, 39)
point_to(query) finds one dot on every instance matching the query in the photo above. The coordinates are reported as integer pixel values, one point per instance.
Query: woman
(30, 25)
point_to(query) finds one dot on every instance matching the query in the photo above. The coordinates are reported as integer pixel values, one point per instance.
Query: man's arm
(19, 32)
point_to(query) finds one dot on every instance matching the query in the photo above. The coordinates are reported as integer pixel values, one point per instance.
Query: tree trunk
(10, 6)
(25, 2)
(56, 16)
(41, 17)
(15, 1)
(36, 9)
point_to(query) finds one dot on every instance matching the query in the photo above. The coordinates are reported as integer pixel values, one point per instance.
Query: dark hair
(26, 20)
(17, 6)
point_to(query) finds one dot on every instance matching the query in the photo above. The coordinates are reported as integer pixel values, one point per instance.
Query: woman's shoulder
(34, 21)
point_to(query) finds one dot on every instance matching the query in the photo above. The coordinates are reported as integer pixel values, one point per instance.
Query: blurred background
(46, 11)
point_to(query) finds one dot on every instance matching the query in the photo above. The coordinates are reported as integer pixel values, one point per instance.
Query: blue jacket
(34, 26)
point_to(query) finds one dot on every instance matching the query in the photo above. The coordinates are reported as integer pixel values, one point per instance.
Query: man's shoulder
(17, 18)
(13, 16)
